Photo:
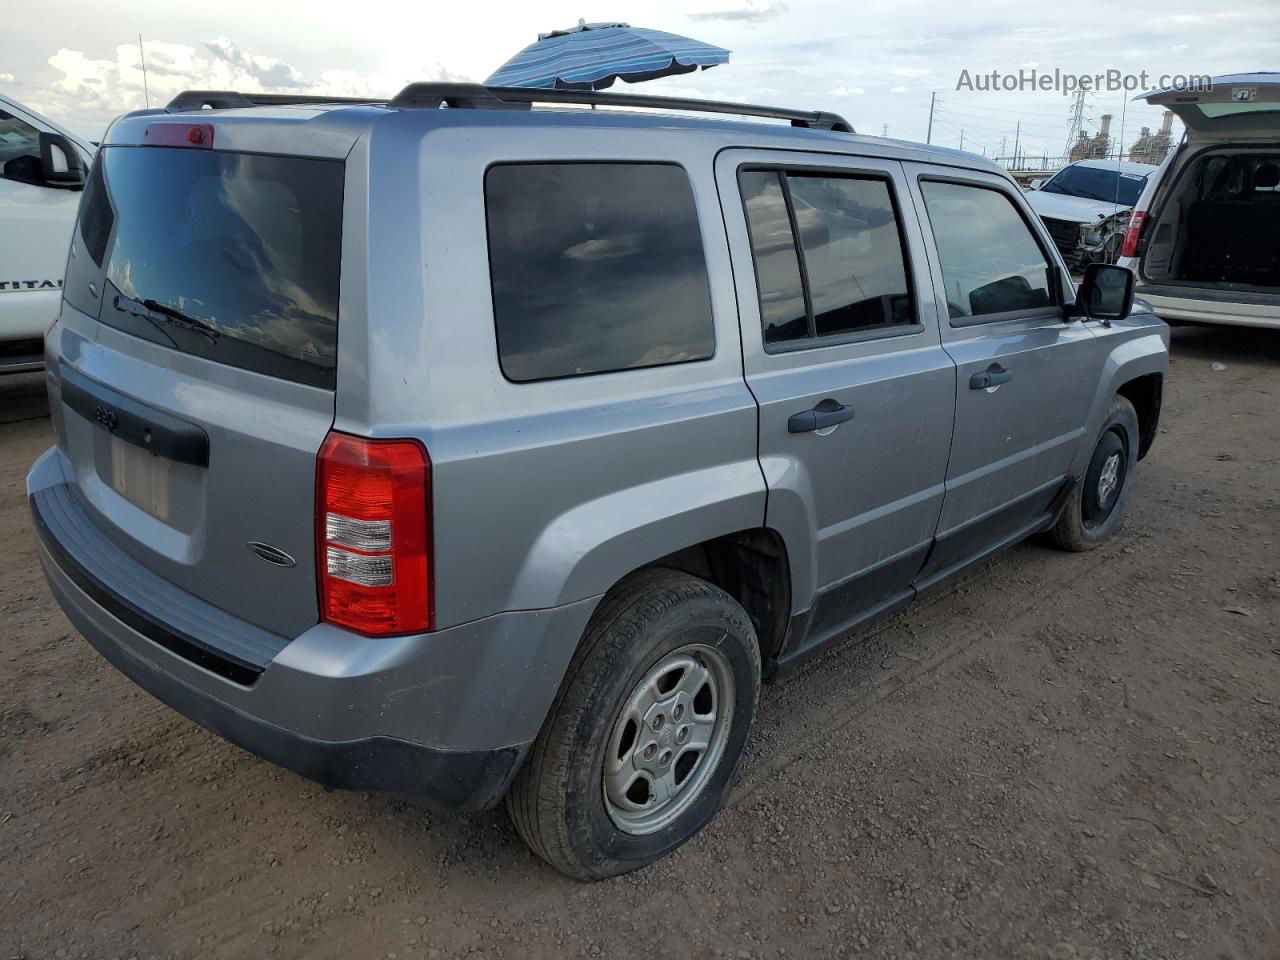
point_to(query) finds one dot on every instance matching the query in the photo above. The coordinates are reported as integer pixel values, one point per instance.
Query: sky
(877, 64)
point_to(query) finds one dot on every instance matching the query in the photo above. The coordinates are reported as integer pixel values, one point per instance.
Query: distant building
(1152, 147)
(1096, 147)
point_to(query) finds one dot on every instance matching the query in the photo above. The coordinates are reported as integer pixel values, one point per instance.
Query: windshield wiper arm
(154, 310)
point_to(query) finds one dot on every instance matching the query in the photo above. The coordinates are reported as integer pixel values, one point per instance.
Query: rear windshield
(1094, 183)
(233, 257)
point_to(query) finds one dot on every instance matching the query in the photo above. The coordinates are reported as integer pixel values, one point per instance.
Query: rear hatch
(1210, 225)
(1240, 107)
(196, 361)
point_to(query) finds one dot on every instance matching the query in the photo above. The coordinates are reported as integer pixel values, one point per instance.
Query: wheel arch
(1146, 393)
(1134, 369)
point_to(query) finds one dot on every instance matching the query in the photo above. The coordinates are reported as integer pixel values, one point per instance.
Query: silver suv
(466, 449)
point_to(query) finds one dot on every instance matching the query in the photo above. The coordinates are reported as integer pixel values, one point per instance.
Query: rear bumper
(444, 717)
(1171, 304)
(450, 779)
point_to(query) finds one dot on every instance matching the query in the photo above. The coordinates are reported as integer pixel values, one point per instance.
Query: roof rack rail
(234, 99)
(475, 96)
(431, 96)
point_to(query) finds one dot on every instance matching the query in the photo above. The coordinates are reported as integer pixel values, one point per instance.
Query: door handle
(993, 376)
(828, 413)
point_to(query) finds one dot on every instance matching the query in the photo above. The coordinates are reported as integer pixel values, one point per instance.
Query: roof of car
(744, 125)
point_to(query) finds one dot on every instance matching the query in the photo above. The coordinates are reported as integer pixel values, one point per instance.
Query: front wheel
(1095, 508)
(641, 746)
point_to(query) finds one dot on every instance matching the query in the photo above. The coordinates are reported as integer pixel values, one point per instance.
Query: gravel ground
(1066, 756)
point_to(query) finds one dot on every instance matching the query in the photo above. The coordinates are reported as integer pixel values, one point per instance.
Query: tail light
(373, 536)
(1133, 233)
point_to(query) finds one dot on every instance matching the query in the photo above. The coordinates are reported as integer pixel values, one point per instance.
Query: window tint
(246, 248)
(991, 263)
(852, 253)
(595, 267)
(19, 149)
(853, 276)
(782, 306)
(96, 217)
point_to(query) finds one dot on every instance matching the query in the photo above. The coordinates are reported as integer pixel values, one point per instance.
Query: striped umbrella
(591, 56)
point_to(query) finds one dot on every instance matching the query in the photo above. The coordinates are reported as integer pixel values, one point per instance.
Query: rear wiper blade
(154, 310)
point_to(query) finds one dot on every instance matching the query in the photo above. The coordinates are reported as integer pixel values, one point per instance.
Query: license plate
(140, 477)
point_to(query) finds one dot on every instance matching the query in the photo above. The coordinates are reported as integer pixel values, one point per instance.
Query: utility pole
(932, 99)
(1017, 138)
(884, 130)
(962, 138)
(143, 57)
(1004, 156)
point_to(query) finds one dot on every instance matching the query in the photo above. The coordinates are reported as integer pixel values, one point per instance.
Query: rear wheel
(643, 741)
(1095, 508)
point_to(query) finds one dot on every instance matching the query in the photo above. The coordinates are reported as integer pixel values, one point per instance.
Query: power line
(983, 108)
(1057, 127)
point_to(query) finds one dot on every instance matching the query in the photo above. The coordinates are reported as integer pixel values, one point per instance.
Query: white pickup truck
(42, 173)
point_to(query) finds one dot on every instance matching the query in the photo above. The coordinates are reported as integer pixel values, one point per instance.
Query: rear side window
(96, 217)
(233, 257)
(596, 267)
(991, 262)
(829, 255)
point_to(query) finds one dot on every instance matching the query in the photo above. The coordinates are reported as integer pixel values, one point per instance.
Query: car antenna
(1115, 200)
(146, 91)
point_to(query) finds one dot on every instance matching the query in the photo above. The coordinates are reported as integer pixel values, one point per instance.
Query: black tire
(558, 801)
(1090, 518)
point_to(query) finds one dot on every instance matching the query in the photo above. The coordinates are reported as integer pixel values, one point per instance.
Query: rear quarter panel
(549, 492)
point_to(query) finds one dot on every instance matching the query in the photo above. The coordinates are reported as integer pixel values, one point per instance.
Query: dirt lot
(1067, 757)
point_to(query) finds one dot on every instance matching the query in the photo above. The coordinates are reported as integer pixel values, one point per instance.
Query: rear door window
(992, 266)
(829, 256)
(596, 267)
(233, 257)
(783, 309)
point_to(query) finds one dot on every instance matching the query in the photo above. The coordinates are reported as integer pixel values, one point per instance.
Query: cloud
(846, 92)
(911, 73)
(89, 91)
(271, 72)
(898, 89)
(747, 11)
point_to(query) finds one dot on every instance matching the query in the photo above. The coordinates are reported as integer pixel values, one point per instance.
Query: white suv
(42, 168)
(1204, 238)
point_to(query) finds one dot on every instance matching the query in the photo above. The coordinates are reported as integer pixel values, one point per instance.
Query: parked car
(41, 175)
(1086, 207)
(1205, 235)
(495, 451)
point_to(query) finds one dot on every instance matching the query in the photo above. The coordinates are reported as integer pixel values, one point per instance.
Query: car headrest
(1267, 176)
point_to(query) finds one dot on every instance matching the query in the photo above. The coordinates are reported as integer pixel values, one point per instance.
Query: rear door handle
(993, 376)
(828, 413)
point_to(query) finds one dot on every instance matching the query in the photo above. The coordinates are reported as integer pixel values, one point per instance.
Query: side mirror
(1106, 293)
(1037, 184)
(60, 164)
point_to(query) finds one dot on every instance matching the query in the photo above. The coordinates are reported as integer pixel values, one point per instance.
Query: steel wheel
(668, 739)
(1104, 480)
